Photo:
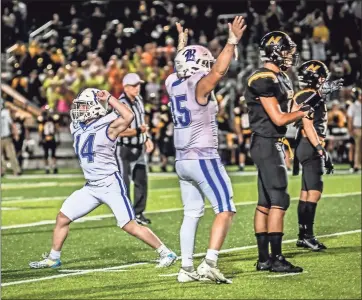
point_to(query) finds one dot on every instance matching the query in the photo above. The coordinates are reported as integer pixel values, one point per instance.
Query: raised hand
(182, 36)
(103, 95)
(329, 87)
(236, 30)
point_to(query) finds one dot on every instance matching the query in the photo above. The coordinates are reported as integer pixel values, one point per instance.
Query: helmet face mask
(87, 107)
(193, 59)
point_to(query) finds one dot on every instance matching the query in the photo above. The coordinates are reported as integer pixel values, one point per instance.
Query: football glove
(327, 159)
(329, 87)
(307, 108)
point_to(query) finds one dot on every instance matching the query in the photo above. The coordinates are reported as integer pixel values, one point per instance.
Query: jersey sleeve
(263, 84)
(74, 127)
(110, 117)
(169, 81)
(194, 80)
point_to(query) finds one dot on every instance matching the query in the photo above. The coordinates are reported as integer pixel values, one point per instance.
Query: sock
(301, 217)
(211, 257)
(242, 165)
(187, 240)
(352, 163)
(275, 239)
(162, 250)
(310, 215)
(263, 246)
(54, 254)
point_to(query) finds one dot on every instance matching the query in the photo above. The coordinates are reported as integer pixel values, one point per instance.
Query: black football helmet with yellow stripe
(312, 74)
(277, 47)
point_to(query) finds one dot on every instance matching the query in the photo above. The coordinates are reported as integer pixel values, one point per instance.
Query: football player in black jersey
(49, 137)
(267, 95)
(243, 132)
(310, 151)
(165, 136)
(23, 132)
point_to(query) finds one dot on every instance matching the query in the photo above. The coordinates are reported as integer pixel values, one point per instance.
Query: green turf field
(102, 262)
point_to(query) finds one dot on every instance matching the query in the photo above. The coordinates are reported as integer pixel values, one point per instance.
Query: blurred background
(51, 50)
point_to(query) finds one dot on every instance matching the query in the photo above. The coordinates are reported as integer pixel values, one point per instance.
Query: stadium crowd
(94, 44)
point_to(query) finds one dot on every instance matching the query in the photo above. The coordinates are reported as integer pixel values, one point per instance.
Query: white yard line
(152, 175)
(72, 274)
(288, 274)
(101, 217)
(168, 275)
(144, 263)
(35, 185)
(10, 208)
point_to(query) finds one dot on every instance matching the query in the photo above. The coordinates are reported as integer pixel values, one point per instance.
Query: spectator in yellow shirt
(321, 32)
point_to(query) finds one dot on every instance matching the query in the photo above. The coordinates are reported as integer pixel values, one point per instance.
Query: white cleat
(167, 260)
(212, 273)
(45, 263)
(184, 276)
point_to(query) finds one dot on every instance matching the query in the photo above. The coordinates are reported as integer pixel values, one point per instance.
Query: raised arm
(219, 69)
(126, 115)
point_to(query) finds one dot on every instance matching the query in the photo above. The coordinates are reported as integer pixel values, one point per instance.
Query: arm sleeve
(263, 84)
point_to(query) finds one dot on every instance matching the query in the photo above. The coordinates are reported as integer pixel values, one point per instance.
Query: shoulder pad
(303, 95)
(262, 75)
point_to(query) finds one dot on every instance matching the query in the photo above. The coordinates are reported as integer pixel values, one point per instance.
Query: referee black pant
(132, 165)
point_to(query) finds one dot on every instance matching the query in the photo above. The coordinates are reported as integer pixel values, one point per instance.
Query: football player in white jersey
(95, 133)
(198, 164)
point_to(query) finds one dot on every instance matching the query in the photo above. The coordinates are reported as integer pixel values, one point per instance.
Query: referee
(132, 145)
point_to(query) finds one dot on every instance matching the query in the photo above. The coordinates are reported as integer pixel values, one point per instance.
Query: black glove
(309, 109)
(328, 164)
(329, 87)
(327, 159)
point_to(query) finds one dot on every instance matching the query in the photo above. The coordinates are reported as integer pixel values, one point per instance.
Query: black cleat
(263, 266)
(281, 265)
(55, 171)
(312, 243)
(47, 171)
(141, 219)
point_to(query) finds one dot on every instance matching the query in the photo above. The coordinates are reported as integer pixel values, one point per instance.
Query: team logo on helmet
(190, 54)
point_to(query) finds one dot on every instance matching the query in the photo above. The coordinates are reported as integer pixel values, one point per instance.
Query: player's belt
(286, 142)
(321, 139)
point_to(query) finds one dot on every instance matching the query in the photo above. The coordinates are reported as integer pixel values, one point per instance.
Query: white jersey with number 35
(95, 150)
(195, 127)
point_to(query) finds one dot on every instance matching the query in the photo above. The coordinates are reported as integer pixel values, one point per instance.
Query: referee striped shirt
(139, 118)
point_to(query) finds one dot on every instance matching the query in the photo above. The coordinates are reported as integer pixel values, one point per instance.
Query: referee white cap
(131, 79)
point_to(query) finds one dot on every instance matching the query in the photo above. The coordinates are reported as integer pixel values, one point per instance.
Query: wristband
(109, 97)
(319, 147)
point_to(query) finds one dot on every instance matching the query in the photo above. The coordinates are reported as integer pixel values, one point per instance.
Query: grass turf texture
(335, 273)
